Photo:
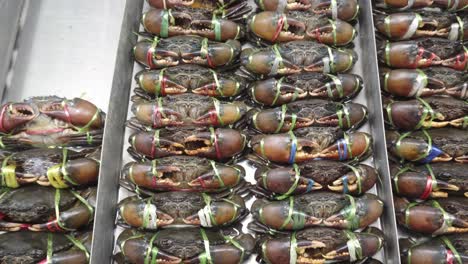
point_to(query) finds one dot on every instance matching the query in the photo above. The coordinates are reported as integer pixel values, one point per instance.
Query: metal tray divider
(372, 81)
(114, 133)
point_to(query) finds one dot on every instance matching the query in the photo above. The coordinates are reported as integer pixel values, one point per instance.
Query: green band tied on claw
(357, 173)
(206, 256)
(216, 26)
(78, 244)
(453, 249)
(343, 112)
(8, 174)
(354, 246)
(152, 251)
(296, 218)
(297, 177)
(338, 87)
(423, 155)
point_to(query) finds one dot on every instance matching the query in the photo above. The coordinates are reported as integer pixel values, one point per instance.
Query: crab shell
(313, 112)
(297, 25)
(32, 247)
(432, 145)
(312, 143)
(346, 10)
(435, 111)
(183, 173)
(185, 245)
(443, 249)
(296, 56)
(187, 110)
(427, 82)
(437, 180)
(321, 245)
(316, 175)
(434, 217)
(50, 167)
(219, 143)
(160, 53)
(181, 208)
(34, 208)
(318, 209)
(287, 89)
(186, 21)
(188, 78)
(50, 121)
(208, 5)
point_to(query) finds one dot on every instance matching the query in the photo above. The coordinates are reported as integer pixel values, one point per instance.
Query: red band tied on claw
(67, 113)
(428, 189)
(279, 27)
(149, 58)
(450, 257)
(215, 143)
(156, 116)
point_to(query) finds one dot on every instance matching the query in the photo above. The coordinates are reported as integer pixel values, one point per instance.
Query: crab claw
(12, 227)
(411, 83)
(267, 63)
(405, 4)
(275, 214)
(214, 54)
(14, 115)
(420, 185)
(459, 62)
(356, 145)
(366, 210)
(278, 250)
(82, 171)
(218, 213)
(217, 29)
(342, 86)
(221, 143)
(155, 115)
(404, 26)
(274, 92)
(283, 5)
(223, 177)
(165, 4)
(356, 181)
(166, 23)
(414, 149)
(153, 146)
(369, 243)
(407, 54)
(223, 88)
(77, 112)
(282, 181)
(156, 83)
(332, 32)
(349, 116)
(459, 91)
(134, 247)
(222, 114)
(142, 174)
(435, 217)
(276, 120)
(140, 213)
(339, 61)
(154, 57)
(231, 253)
(436, 250)
(346, 10)
(276, 27)
(410, 115)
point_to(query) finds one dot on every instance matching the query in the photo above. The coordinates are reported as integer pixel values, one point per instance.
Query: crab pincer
(199, 210)
(433, 217)
(452, 6)
(321, 245)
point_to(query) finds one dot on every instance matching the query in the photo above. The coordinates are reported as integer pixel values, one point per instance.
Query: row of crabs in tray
(49, 168)
(177, 154)
(426, 115)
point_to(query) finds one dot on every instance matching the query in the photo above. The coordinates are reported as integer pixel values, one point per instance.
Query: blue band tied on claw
(434, 152)
(292, 154)
(345, 184)
(342, 149)
(310, 185)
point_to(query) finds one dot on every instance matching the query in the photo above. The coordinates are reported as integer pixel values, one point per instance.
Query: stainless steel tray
(112, 60)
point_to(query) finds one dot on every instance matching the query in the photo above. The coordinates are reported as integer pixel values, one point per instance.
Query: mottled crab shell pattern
(188, 78)
(60, 168)
(287, 89)
(46, 209)
(412, 83)
(437, 180)
(183, 173)
(346, 10)
(186, 110)
(433, 217)
(280, 183)
(312, 143)
(160, 53)
(442, 249)
(317, 209)
(312, 112)
(181, 208)
(435, 111)
(217, 144)
(321, 245)
(185, 245)
(42, 247)
(432, 145)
